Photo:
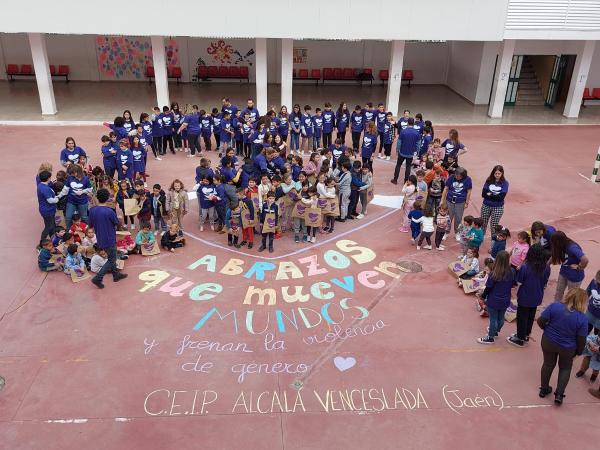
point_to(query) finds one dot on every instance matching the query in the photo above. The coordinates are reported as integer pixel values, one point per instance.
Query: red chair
(586, 96)
(337, 73)
(303, 74)
(175, 72)
(52, 69)
(213, 72)
(149, 73)
(244, 72)
(63, 71)
(223, 72)
(368, 71)
(234, 72)
(407, 75)
(348, 74)
(596, 93)
(293, 73)
(384, 75)
(11, 71)
(202, 72)
(26, 69)
(327, 74)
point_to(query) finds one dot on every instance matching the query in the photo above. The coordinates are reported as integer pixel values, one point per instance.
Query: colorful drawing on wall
(226, 54)
(300, 55)
(123, 57)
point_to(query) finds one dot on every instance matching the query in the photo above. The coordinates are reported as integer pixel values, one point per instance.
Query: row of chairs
(347, 74)
(587, 95)
(205, 73)
(26, 70)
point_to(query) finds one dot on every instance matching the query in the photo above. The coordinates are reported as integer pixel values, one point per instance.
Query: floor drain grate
(411, 266)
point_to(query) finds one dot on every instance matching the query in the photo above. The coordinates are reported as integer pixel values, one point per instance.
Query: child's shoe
(230, 243)
(243, 243)
(296, 239)
(132, 226)
(418, 247)
(441, 248)
(278, 235)
(427, 247)
(250, 245)
(404, 229)
(305, 238)
(486, 340)
(360, 216)
(201, 227)
(212, 227)
(237, 245)
(313, 239)
(271, 249)
(262, 248)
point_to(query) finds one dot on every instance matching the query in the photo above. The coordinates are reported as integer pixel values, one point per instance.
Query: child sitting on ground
(501, 234)
(74, 261)
(59, 232)
(45, 255)
(591, 358)
(172, 239)
(477, 283)
(98, 260)
(471, 262)
(144, 237)
(77, 228)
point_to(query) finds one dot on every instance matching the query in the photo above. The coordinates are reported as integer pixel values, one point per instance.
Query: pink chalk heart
(343, 364)
(322, 202)
(301, 209)
(271, 223)
(312, 216)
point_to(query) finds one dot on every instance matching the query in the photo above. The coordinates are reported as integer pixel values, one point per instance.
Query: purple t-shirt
(457, 190)
(104, 220)
(573, 256)
(564, 326)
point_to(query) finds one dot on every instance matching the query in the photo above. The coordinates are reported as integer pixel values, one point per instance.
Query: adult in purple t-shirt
(565, 329)
(569, 255)
(105, 222)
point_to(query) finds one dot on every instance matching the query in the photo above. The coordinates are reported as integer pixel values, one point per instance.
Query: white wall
(593, 80)
(464, 67)
(313, 19)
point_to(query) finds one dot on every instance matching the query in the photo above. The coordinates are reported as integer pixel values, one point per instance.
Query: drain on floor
(2, 383)
(410, 266)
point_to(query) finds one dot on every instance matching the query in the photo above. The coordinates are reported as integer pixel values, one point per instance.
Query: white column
(507, 50)
(395, 77)
(287, 67)
(41, 65)
(578, 79)
(261, 75)
(161, 80)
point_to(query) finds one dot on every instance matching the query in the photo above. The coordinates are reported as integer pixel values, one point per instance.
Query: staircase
(529, 92)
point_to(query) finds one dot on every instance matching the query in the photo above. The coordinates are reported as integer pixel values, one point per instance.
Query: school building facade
(491, 52)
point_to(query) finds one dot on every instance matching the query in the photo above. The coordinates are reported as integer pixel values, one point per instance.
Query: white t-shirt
(97, 263)
(427, 223)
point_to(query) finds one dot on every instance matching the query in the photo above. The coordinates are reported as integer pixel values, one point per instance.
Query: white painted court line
(306, 248)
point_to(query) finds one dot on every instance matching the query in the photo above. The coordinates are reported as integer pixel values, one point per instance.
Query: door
(513, 80)
(558, 72)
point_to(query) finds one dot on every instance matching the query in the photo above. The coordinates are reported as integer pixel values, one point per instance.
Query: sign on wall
(300, 55)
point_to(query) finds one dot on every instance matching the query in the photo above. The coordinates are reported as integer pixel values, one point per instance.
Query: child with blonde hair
(409, 191)
(177, 203)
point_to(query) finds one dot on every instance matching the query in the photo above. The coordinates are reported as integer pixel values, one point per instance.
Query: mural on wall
(127, 57)
(221, 53)
(300, 55)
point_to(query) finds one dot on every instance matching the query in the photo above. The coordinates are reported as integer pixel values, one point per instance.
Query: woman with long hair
(497, 295)
(493, 193)
(569, 255)
(565, 331)
(532, 278)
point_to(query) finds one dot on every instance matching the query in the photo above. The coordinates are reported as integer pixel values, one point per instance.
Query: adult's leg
(407, 169)
(399, 162)
(522, 318)
(217, 140)
(387, 149)
(550, 352)
(493, 313)
(486, 212)
(561, 285)
(69, 211)
(530, 316)
(458, 211)
(497, 213)
(83, 211)
(565, 363)
(49, 226)
(452, 215)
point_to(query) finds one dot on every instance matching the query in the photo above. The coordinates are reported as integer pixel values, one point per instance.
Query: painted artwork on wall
(300, 55)
(221, 53)
(127, 57)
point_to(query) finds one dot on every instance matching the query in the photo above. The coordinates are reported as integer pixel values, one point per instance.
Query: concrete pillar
(261, 75)
(579, 79)
(507, 50)
(161, 80)
(287, 67)
(395, 77)
(41, 65)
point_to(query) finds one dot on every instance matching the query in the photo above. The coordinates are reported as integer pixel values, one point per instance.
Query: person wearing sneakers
(105, 222)
(427, 229)
(532, 278)
(407, 147)
(497, 296)
(389, 134)
(565, 331)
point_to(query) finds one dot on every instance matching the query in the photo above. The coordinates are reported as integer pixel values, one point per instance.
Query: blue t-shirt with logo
(572, 256)
(564, 326)
(44, 192)
(457, 190)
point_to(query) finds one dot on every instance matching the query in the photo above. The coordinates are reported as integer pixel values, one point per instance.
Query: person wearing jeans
(532, 278)
(457, 195)
(406, 146)
(105, 223)
(77, 199)
(47, 201)
(572, 262)
(497, 295)
(565, 331)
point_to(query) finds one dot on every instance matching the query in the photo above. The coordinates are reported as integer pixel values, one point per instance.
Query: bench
(63, 71)
(347, 74)
(303, 74)
(407, 75)
(13, 70)
(173, 72)
(595, 95)
(206, 73)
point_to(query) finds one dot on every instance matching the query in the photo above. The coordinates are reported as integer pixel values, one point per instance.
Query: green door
(513, 80)
(558, 71)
